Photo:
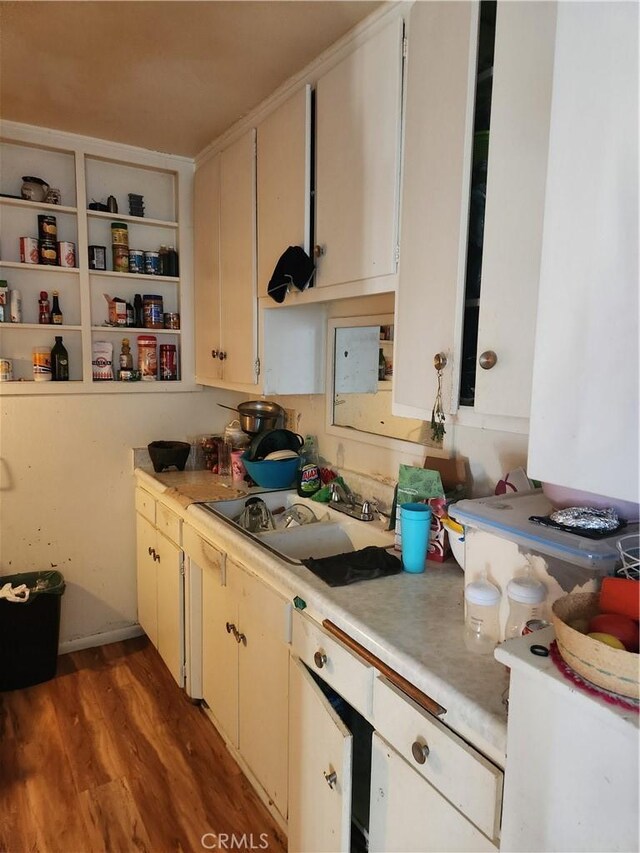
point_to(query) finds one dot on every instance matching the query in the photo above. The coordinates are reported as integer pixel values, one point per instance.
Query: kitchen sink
(332, 533)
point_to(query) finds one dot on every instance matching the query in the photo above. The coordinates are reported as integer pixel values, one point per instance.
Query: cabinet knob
(222, 355)
(331, 778)
(214, 353)
(319, 251)
(420, 751)
(487, 359)
(151, 550)
(320, 658)
(156, 557)
(241, 638)
(231, 629)
(440, 361)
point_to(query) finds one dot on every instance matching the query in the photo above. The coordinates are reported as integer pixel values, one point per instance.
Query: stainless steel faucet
(344, 501)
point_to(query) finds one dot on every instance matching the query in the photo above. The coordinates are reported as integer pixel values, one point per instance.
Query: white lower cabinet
(245, 657)
(408, 814)
(365, 760)
(160, 581)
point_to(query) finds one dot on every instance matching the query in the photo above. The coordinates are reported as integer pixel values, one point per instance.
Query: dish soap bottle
(308, 482)
(59, 361)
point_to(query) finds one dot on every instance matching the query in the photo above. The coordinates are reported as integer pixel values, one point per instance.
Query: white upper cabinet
(584, 420)
(206, 193)
(435, 199)
(284, 182)
(516, 176)
(358, 114)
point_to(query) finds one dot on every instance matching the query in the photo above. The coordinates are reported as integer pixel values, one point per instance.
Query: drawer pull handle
(420, 751)
(320, 658)
(331, 778)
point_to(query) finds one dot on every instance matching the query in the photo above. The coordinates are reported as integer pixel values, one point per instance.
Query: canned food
(172, 321)
(152, 263)
(120, 258)
(152, 311)
(6, 370)
(66, 254)
(147, 357)
(47, 227)
(534, 625)
(136, 261)
(48, 252)
(42, 364)
(168, 362)
(97, 257)
(119, 234)
(29, 253)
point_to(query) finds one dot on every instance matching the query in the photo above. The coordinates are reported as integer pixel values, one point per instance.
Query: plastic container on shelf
(148, 357)
(481, 627)
(498, 532)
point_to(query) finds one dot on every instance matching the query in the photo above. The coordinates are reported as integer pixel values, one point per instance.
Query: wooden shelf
(38, 205)
(137, 220)
(169, 279)
(18, 265)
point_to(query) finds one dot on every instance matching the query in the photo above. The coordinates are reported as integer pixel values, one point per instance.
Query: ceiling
(167, 76)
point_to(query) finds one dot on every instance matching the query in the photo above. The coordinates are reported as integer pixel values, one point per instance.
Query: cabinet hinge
(183, 672)
(396, 254)
(405, 47)
(182, 572)
(256, 367)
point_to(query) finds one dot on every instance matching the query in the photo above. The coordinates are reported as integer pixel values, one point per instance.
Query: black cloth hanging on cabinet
(294, 267)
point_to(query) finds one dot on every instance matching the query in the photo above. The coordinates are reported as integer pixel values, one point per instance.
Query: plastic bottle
(527, 598)
(382, 365)
(308, 481)
(44, 309)
(138, 316)
(56, 314)
(59, 361)
(481, 627)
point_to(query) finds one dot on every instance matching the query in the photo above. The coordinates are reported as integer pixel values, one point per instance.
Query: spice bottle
(44, 309)
(126, 361)
(56, 314)
(59, 361)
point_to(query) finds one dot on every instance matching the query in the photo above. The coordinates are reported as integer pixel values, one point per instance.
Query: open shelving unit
(85, 172)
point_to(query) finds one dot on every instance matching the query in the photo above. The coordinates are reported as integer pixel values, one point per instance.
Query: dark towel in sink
(363, 565)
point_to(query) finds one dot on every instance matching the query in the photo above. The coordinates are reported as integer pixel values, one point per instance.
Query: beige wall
(67, 491)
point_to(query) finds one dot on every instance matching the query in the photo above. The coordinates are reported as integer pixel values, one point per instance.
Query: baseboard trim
(101, 639)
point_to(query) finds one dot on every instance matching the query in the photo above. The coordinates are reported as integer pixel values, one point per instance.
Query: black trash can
(29, 630)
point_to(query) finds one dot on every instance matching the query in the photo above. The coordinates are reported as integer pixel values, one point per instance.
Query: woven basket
(612, 669)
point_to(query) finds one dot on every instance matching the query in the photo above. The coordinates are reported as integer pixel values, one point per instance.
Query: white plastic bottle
(481, 627)
(527, 597)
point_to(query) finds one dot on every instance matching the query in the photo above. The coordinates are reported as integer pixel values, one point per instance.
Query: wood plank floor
(111, 756)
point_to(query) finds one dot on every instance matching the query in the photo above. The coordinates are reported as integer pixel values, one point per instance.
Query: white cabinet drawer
(348, 674)
(203, 553)
(168, 523)
(146, 505)
(465, 777)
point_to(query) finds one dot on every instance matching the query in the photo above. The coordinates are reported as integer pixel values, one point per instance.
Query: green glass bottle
(59, 361)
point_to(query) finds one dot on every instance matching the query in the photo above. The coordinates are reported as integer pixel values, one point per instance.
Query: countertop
(413, 623)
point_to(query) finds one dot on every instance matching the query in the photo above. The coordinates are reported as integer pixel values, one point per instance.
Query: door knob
(420, 751)
(487, 359)
(331, 777)
(320, 658)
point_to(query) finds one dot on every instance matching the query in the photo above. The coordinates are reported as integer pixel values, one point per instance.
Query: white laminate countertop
(413, 623)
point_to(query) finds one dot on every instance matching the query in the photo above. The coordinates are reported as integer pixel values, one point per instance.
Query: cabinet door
(514, 213)
(146, 574)
(264, 686)
(408, 814)
(170, 597)
(584, 416)
(207, 268)
(220, 648)
(358, 113)
(435, 202)
(238, 303)
(284, 182)
(320, 764)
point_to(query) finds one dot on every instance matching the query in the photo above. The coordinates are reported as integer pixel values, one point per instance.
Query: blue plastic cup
(415, 522)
